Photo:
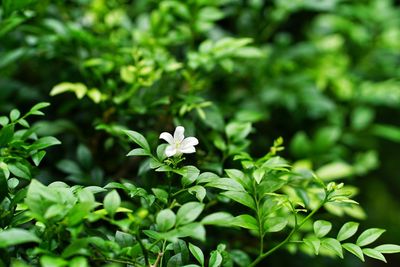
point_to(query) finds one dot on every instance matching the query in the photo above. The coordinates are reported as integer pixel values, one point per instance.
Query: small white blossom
(178, 144)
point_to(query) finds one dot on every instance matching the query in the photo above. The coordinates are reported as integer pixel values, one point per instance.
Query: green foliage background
(323, 74)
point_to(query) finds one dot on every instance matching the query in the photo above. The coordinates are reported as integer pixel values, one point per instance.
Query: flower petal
(187, 149)
(170, 151)
(189, 141)
(178, 134)
(167, 137)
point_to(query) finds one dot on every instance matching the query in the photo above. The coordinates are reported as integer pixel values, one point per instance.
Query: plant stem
(287, 239)
(145, 253)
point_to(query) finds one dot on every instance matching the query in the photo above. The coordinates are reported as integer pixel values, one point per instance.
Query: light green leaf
(188, 212)
(334, 170)
(44, 142)
(189, 175)
(373, 253)
(215, 259)
(258, 174)
(165, 220)
(16, 236)
(322, 228)
(14, 114)
(112, 201)
(138, 139)
(226, 184)
(388, 248)
(314, 243)
(197, 253)
(199, 191)
(354, 249)
(333, 245)
(275, 224)
(347, 230)
(138, 152)
(245, 221)
(369, 236)
(218, 218)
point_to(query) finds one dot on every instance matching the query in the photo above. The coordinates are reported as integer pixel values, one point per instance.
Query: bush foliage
(289, 108)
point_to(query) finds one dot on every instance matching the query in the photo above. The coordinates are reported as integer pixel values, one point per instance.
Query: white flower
(178, 144)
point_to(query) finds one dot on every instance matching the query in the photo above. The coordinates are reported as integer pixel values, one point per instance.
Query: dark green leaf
(241, 197)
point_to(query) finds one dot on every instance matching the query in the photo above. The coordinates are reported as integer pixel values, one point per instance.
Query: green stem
(145, 253)
(162, 252)
(287, 239)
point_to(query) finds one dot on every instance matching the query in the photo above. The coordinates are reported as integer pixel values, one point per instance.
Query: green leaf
(6, 134)
(197, 253)
(275, 224)
(314, 243)
(322, 228)
(84, 156)
(333, 245)
(38, 106)
(388, 248)
(138, 152)
(199, 191)
(258, 174)
(175, 260)
(245, 221)
(76, 247)
(347, 230)
(226, 184)
(334, 170)
(3, 186)
(79, 262)
(188, 212)
(190, 174)
(16, 236)
(165, 220)
(112, 201)
(215, 259)
(37, 157)
(194, 230)
(388, 132)
(20, 170)
(241, 197)
(44, 142)
(50, 261)
(218, 218)
(138, 139)
(14, 114)
(161, 195)
(374, 253)
(4, 120)
(354, 249)
(369, 236)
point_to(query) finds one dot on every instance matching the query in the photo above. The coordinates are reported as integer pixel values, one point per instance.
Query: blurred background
(323, 74)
